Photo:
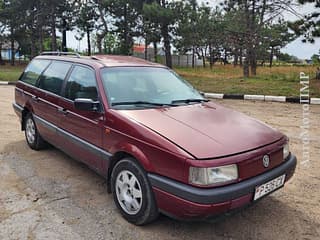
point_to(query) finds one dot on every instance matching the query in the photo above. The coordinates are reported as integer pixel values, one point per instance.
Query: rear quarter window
(33, 71)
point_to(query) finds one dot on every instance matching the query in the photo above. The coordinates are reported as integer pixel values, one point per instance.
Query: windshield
(132, 87)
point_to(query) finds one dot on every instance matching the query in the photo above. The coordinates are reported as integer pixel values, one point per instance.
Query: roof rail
(61, 54)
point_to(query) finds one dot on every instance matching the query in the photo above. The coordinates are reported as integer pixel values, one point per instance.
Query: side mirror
(86, 104)
(203, 94)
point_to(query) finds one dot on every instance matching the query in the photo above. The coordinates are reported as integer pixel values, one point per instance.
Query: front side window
(52, 79)
(81, 84)
(129, 87)
(33, 71)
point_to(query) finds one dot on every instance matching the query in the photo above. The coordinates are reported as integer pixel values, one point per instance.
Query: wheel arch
(129, 151)
(24, 113)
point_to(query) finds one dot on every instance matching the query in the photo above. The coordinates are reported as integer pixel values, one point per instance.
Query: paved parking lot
(47, 195)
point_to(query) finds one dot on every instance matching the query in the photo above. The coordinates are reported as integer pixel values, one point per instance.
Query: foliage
(309, 25)
(315, 59)
(246, 32)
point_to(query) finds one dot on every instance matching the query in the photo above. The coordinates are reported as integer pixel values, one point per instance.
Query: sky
(296, 48)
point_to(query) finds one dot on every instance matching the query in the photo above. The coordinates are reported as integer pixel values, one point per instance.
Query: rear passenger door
(46, 101)
(82, 130)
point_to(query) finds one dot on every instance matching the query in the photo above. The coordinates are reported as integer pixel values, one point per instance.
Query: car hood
(206, 130)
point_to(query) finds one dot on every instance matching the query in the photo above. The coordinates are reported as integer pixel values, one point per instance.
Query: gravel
(47, 195)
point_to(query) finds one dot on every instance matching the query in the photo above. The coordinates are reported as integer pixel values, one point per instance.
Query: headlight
(214, 175)
(286, 150)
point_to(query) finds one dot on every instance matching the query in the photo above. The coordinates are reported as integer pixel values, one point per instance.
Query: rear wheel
(132, 192)
(32, 135)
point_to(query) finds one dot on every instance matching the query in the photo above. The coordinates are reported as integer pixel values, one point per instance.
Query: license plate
(268, 187)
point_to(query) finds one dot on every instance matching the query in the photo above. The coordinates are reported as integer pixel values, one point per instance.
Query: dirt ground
(47, 195)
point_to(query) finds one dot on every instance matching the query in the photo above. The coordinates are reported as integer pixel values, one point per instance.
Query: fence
(177, 60)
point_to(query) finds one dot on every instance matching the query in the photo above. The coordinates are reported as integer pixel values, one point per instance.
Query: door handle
(62, 110)
(35, 99)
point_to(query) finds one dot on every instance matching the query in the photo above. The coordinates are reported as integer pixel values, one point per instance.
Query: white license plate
(269, 187)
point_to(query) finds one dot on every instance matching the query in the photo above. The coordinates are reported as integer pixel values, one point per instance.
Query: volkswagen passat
(159, 143)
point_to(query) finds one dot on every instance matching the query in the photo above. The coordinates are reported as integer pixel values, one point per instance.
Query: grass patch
(278, 80)
(10, 73)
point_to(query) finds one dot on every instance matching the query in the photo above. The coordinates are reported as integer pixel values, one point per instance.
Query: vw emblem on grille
(266, 161)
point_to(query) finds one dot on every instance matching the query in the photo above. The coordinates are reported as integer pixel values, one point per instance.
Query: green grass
(279, 81)
(10, 73)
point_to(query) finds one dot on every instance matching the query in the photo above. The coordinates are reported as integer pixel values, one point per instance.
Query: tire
(33, 138)
(132, 192)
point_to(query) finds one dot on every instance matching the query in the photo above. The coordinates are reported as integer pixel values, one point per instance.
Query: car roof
(98, 61)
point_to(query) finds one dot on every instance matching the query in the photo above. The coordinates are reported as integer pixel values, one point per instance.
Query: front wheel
(32, 135)
(132, 192)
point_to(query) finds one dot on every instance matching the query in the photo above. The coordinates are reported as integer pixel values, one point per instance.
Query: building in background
(6, 52)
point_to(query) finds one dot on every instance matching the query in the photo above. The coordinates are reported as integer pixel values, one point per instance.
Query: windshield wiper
(190, 100)
(142, 103)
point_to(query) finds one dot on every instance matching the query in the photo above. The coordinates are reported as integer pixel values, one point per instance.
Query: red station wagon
(161, 146)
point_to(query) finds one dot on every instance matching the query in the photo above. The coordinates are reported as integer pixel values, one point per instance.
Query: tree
(87, 17)
(161, 13)
(13, 22)
(256, 14)
(309, 25)
(2, 30)
(195, 29)
(276, 36)
(315, 59)
(102, 26)
(126, 19)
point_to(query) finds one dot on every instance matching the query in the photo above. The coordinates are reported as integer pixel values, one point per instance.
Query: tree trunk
(155, 51)
(53, 31)
(89, 43)
(246, 72)
(41, 40)
(33, 47)
(12, 47)
(102, 35)
(193, 55)
(1, 61)
(240, 57)
(126, 31)
(99, 42)
(271, 57)
(253, 62)
(167, 47)
(64, 36)
(146, 48)
(236, 57)
(203, 58)
(225, 57)
(210, 57)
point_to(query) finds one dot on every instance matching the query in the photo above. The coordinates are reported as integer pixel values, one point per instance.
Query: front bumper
(182, 200)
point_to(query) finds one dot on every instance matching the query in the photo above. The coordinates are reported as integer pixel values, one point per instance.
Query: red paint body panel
(217, 130)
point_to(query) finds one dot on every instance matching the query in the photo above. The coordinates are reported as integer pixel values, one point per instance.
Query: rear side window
(52, 79)
(81, 84)
(33, 71)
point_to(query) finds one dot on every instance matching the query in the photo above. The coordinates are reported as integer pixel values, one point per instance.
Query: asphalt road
(47, 195)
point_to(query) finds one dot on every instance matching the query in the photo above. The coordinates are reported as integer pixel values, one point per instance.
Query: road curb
(7, 83)
(266, 98)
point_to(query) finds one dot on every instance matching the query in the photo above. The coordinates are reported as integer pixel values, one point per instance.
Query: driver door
(82, 130)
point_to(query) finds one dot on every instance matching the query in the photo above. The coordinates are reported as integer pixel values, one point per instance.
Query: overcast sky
(297, 48)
